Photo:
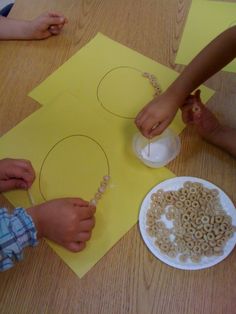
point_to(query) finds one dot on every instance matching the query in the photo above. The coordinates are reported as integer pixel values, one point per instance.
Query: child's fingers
(158, 128)
(197, 94)
(190, 115)
(187, 113)
(192, 99)
(189, 101)
(84, 236)
(57, 20)
(54, 14)
(197, 113)
(79, 202)
(57, 14)
(75, 246)
(54, 30)
(21, 174)
(187, 117)
(196, 98)
(141, 117)
(86, 212)
(12, 184)
(24, 165)
(149, 126)
(87, 225)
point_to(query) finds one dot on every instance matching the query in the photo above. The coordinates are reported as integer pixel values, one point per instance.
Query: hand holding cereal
(68, 222)
(207, 125)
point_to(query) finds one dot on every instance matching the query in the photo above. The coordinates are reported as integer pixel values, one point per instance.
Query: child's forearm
(13, 29)
(210, 60)
(225, 138)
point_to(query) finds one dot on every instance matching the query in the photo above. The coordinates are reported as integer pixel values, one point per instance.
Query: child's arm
(69, 222)
(44, 26)
(158, 114)
(225, 139)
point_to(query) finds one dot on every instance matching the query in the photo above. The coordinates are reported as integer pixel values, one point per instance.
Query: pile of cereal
(200, 226)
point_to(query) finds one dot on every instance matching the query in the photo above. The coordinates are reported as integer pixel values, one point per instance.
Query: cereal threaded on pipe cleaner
(101, 190)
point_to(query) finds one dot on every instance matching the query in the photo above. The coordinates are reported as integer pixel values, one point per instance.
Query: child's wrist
(174, 98)
(25, 30)
(34, 213)
(28, 30)
(178, 93)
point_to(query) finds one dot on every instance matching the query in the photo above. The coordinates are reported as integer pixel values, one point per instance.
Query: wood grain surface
(128, 280)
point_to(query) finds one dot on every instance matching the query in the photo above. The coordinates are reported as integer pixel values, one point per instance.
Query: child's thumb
(197, 94)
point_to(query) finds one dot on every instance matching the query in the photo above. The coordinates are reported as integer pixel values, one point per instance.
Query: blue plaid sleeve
(17, 231)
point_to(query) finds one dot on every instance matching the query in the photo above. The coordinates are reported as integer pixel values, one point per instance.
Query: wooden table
(128, 279)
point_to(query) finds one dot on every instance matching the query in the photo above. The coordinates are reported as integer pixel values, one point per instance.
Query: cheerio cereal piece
(183, 258)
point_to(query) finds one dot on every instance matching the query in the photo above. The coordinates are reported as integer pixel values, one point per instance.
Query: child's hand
(194, 112)
(15, 174)
(68, 222)
(154, 118)
(46, 25)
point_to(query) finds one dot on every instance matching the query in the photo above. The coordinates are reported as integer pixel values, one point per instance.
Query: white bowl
(158, 151)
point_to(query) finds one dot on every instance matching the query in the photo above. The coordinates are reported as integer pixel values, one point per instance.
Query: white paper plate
(175, 184)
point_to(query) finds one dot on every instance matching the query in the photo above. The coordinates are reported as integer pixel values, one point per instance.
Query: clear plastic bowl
(158, 151)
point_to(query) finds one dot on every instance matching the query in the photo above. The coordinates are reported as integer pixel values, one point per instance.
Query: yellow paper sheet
(87, 119)
(206, 20)
(108, 74)
(76, 165)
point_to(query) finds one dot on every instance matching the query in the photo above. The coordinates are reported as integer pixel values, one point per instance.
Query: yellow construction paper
(206, 20)
(84, 131)
(75, 167)
(109, 75)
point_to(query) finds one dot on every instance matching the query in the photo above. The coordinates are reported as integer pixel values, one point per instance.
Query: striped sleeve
(17, 231)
